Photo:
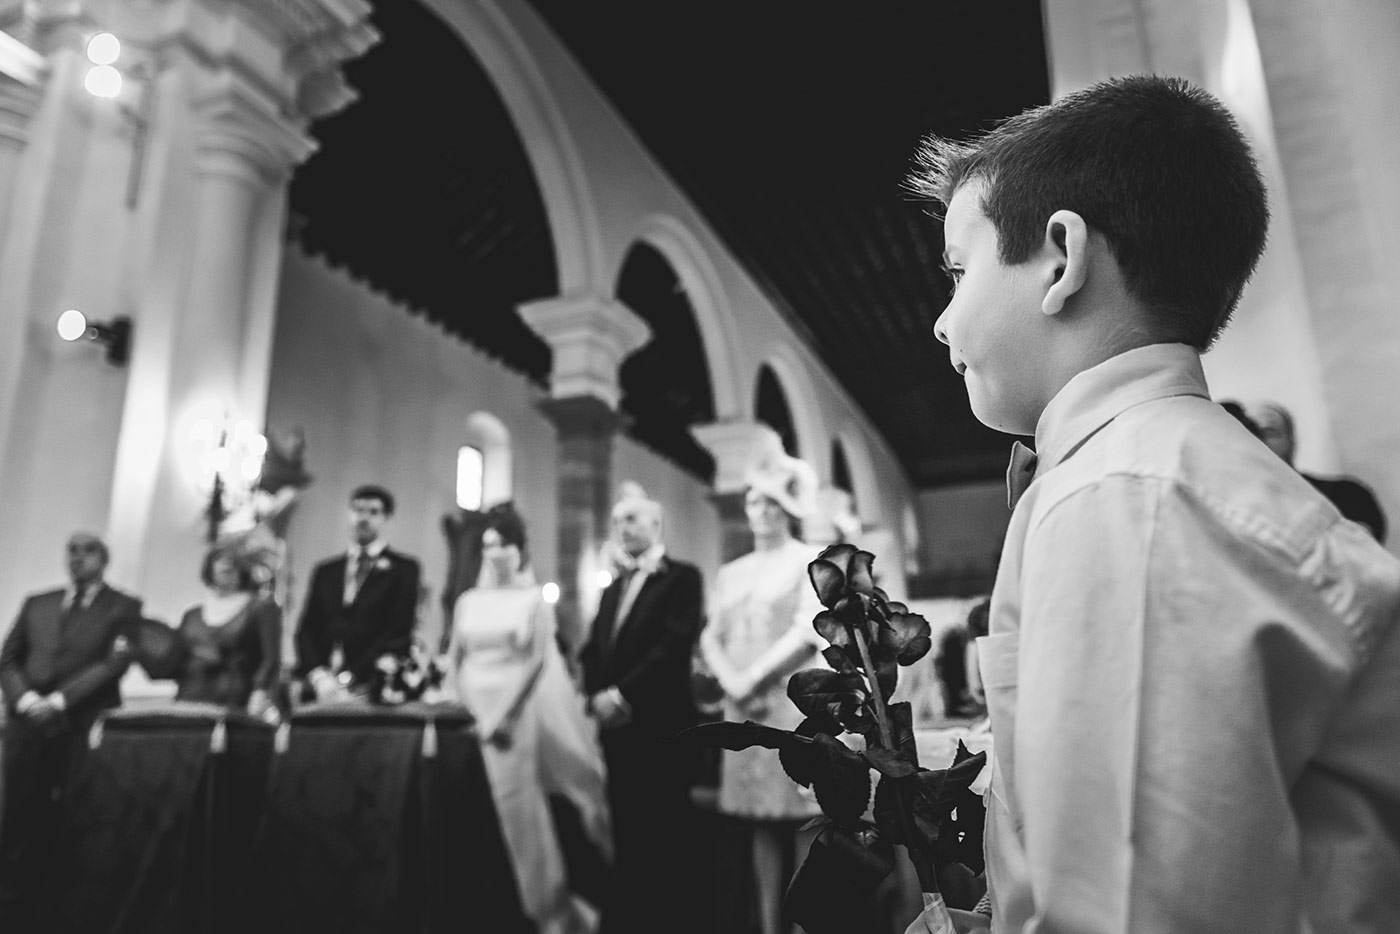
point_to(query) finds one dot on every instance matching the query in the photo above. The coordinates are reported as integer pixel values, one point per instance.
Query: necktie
(1019, 473)
(362, 566)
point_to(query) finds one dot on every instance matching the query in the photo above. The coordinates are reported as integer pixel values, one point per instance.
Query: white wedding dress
(499, 634)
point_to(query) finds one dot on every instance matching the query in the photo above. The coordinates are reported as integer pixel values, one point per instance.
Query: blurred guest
(1352, 498)
(538, 740)
(231, 641)
(759, 633)
(956, 664)
(636, 670)
(360, 606)
(59, 670)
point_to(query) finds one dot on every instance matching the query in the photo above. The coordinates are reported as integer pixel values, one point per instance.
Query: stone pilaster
(586, 427)
(590, 337)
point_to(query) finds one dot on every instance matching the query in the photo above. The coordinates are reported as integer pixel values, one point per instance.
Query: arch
(801, 395)
(841, 469)
(771, 408)
(506, 57)
(490, 435)
(666, 384)
(865, 484)
(708, 300)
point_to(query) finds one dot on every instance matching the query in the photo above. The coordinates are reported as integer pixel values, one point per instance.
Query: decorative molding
(18, 102)
(590, 337)
(19, 63)
(237, 136)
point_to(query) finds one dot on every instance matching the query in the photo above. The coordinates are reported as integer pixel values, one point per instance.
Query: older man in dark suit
(59, 668)
(636, 672)
(361, 605)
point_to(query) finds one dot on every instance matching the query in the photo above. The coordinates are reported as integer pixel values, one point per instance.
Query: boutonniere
(382, 564)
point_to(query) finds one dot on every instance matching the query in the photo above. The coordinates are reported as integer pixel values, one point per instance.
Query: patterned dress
(761, 598)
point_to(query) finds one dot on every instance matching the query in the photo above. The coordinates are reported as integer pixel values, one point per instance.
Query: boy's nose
(940, 330)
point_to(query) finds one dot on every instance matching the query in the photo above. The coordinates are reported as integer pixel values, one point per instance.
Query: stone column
(732, 444)
(23, 72)
(590, 336)
(167, 206)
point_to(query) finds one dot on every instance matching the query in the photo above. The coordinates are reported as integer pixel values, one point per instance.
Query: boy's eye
(954, 276)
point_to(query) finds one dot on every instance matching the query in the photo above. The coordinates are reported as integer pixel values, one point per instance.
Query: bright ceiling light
(550, 592)
(103, 49)
(72, 325)
(103, 81)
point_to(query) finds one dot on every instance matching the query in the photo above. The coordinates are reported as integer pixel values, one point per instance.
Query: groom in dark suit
(361, 605)
(59, 669)
(636, 673)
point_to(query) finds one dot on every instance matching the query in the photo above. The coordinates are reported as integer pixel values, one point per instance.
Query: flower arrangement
(852, 730)
(416, 675)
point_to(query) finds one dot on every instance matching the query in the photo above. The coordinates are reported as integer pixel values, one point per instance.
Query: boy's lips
(959, 366)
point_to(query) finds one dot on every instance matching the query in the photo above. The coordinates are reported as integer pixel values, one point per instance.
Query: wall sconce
(115, 335)
(230, 465)
(104, 80)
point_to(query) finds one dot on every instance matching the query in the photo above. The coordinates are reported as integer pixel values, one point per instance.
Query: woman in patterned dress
(760, 632)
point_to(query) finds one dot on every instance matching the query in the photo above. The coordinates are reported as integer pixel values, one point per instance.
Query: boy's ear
(1067, 245)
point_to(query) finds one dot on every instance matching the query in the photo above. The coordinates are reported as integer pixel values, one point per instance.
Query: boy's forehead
(964, 212)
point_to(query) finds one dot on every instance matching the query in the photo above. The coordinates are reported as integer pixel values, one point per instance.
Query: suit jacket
(647, 655)
(379, 620)
(50, 650)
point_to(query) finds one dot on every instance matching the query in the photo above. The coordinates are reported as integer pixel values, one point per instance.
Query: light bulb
(257, 446)
(72, 324)
(103, 81)
(103, 49)
(603, 579)
(550, 592)
(219, 460)
(252, 466)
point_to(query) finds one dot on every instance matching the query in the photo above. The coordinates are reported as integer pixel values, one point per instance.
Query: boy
(1193, 670)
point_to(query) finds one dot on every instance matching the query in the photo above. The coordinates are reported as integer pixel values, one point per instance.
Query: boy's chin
(999, 416)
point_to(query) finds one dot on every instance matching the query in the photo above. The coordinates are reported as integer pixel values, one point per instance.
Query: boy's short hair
(1157, 166)
(375, 491)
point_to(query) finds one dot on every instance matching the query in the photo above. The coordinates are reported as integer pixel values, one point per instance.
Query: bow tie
(1019, 473)
(646, 563)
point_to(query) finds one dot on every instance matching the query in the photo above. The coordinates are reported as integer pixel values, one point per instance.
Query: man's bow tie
(1019, 473)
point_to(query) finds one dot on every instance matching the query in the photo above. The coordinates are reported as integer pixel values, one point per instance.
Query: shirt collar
(1101, 393)
(374, 549)
(647, 562)
(89, 594)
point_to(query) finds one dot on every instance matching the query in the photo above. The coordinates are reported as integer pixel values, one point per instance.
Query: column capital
(238, 135)
(732, 444)
(590, 336)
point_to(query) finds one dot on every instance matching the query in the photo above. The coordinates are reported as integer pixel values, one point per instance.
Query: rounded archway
(770, 406)
(709, 303)
(666, 386)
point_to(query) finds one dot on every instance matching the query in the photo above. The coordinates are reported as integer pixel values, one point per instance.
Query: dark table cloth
(159, 819)
(197, 820)
(380, 819)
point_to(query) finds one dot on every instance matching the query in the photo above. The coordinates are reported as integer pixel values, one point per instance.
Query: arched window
(491, 468)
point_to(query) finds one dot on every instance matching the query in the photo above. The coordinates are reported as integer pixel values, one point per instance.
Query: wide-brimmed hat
(787, 480)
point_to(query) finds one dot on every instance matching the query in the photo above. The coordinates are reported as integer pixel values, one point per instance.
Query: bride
(536, 739)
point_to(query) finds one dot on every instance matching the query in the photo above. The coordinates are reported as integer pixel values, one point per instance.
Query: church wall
(383, 396)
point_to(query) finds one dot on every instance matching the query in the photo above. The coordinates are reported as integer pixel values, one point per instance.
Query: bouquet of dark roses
(852, 731)
(398, 679)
